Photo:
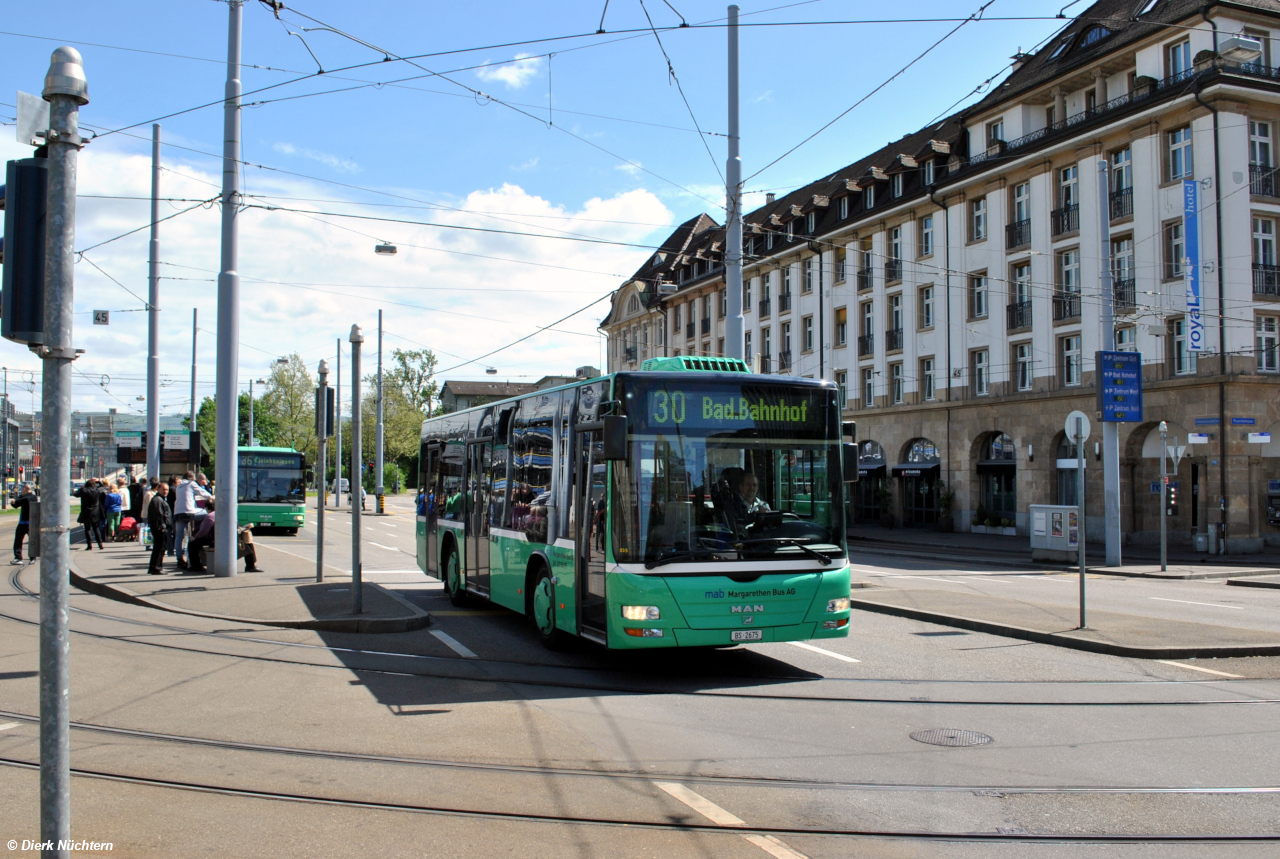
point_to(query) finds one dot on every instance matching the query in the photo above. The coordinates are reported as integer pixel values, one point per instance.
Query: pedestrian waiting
(23, 503)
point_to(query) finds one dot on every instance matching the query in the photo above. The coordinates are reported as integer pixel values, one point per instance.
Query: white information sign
(128, 439)
(1259, 438)
(177, 440)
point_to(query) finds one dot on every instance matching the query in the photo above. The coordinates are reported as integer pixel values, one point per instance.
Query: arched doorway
(918, 476)
(872, 481)
(997, 480)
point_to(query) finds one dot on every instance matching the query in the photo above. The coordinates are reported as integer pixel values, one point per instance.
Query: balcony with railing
(893, 340)
(784, 302)
(690, 330)
(765, 364)
(1066, 305)
(1121, 203)
(1126, 294)
(1262, 180)
(892, 269)
(1018, 315)
(784, 361)
(1017, 234)
(1065, 220)
(706, 325)
(1266, 279)
(866, 345)
(864, 279)
(766, 307)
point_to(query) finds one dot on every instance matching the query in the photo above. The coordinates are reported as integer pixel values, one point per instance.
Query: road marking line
(7, 725)
(1192, 602)
(388, 548)
(1198, 668)
(720, 817)
(830, 653)
(927, 578)
(454, 645)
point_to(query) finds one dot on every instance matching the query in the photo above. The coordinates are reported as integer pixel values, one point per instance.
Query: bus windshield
(724, 472)
(271, 478)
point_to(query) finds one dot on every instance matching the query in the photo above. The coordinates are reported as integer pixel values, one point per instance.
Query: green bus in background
(689, 504)
(272, 488)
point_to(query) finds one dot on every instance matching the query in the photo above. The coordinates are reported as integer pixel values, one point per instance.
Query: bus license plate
(746, 635)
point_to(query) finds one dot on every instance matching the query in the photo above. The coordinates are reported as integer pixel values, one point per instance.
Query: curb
(1247, 583)
(418, 620)
(1059, 639)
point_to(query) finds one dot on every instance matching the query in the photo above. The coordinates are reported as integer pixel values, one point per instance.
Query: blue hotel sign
(1119, 386)
(1191, 265)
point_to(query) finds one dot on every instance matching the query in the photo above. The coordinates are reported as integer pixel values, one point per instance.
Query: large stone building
(950, 283)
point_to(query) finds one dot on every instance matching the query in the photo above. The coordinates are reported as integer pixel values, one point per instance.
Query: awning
(917, 469)
(997, 466)
(871, 470)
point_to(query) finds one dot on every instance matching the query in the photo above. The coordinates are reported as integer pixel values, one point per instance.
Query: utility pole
(4, 444)
(1110, 430)
(1080, 519)
(228, 399)
(153, 314)
(322, 435)
(733, 338)
(337, 420)
(195, 328)
(379, 490)
(357, 578)
(1164, 498)
(66, 89)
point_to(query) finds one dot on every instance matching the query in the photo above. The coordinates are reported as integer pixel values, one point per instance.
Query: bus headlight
(643, 633)
(835, 605)
(643, 612)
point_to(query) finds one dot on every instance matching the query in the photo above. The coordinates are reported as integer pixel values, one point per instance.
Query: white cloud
(528, 165)
(631, 169)
(344, 165)
(514, 74)
(767, 95)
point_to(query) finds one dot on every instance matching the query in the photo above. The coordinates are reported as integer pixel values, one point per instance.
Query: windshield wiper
(680, 556)
(786, 541)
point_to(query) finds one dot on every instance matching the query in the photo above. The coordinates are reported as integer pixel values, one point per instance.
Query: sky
(522, 163)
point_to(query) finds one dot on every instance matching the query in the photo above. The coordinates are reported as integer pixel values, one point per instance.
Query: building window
(844, 208)
(1069, 359)
(895, 383)
(926, 307)
(1266, 330)
(810, 222)
(808, 275)
(766, 286)
(995, 133)
(1184, 360)
(1050, 116)
(928, 172)
(746, 295)
(897, 185)
(926, 379)
(978, 296)
(1264, 241)
(724, 304)
(1175, 249)
(926, 236)
(791, 226)
(868, 388)
(895, 319)
(978, 219)
(840, 261)
(808, 334)
(1122, 260)
(1178, 153)
(1127, 339)
(979, 372)
(746, 343)
(868, 319)
(633, 305)
(1069, 271)
(869, 196)
(1121, 170)
(766, 344)
(1022, 202)
(1023, 366)
(768, 240)
(1259, 143)
(842, 326)
(1021, 283)
(784, 354)
(675, 317)
(842, 388)
(1069, 187)
(1178, 58)
(1264, 39)
(893, 265)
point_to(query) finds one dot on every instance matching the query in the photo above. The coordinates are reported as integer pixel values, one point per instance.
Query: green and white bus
(272, 488)
(688, 504)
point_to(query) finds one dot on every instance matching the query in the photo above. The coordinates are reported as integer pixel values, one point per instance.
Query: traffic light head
(22, 301)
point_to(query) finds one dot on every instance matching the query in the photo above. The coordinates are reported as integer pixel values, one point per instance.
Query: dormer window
(869, 196)
(790, 230)
(810, 222)
(928, 172)
(844, 208)
(1094, 35)
(995, 132)
(657, 260)
(680, 275)
(749, 247)
(1062, 46)
(768, 240)
(633, 306)
(897, 185)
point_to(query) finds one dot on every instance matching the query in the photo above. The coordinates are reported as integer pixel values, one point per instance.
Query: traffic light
(22, 250)
(1173, 500)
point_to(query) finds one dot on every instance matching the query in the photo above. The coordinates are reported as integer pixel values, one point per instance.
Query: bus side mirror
(850, 463)
(849, 432)
(614, 438)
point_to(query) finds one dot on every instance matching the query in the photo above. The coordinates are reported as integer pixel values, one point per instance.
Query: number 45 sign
(102, 317)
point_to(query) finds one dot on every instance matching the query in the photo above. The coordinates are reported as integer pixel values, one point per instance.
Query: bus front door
(590, 536)
(477, 516)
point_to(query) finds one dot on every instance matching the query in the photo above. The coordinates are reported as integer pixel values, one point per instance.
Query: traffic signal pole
(153, 315)
(357, 583)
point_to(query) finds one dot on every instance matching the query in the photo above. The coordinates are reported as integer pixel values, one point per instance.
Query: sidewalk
(286, 595)
(1140, 561)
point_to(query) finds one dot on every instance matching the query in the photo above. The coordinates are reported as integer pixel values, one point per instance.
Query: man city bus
(692, 504)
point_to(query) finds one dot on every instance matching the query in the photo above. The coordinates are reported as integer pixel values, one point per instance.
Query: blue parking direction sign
(1119, 386)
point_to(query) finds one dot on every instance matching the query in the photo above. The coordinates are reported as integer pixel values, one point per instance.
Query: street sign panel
(176, 439)
(128, 439)
(102, 317)
(1070, 425)
(1259, 438)
(1120, 386)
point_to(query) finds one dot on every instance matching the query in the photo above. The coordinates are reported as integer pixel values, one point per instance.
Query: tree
(289, 406)
(412, 373)
(408, 397)
(264, 424)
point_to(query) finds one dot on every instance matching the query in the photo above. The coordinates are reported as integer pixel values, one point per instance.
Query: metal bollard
(382, 505)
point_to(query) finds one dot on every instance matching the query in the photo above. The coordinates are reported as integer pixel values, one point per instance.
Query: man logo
(738, 609)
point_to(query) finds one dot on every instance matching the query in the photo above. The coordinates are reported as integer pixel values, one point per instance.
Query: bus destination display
(676, 408)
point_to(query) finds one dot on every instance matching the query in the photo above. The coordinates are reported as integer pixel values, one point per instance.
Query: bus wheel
(453, 579)
(544, 613)
(292, 532)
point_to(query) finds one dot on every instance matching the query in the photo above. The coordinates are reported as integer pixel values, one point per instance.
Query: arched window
(871, 452)
(633, 306)
(1066, 471)
(999, 448)
(923, 450)
(1093, 35)
(997, 481)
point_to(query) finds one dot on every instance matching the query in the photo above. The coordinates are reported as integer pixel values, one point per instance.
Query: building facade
(951, 283)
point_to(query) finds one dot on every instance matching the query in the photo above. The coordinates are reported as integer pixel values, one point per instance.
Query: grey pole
(1110, 431)
(228, 428)
(322, 436)
(65, 88)
(1080, 500)
(249, 441)
(153, 314)
(733, 340)
(195, 328)
(337, 430)
(1164, 499)
(357, 578)
(379, 489)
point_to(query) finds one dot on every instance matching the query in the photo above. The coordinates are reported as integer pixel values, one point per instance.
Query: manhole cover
(951, 737)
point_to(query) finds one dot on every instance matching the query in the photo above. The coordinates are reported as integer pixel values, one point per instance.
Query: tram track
(480, 671)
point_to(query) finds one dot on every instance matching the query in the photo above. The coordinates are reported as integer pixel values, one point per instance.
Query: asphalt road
(538, 753)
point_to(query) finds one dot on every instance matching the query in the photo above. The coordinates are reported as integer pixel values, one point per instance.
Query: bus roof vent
(693, 362)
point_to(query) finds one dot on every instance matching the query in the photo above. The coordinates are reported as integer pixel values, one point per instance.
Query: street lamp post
(1164, 495)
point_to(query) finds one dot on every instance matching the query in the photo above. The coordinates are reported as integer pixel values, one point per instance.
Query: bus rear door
(479, 455)
(590, 533)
